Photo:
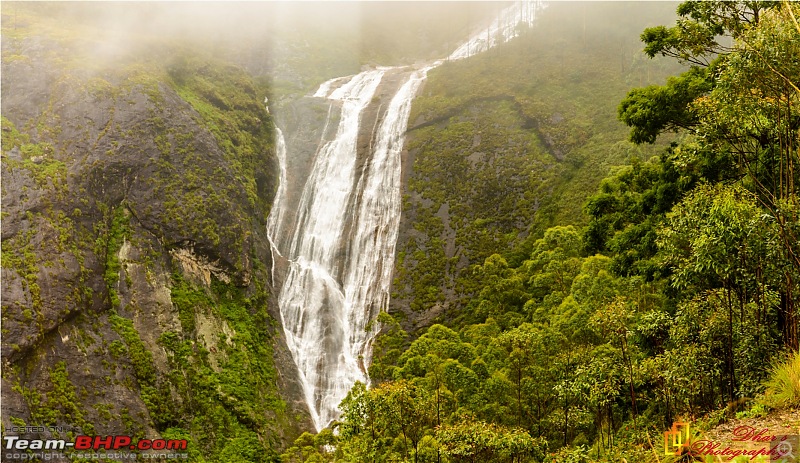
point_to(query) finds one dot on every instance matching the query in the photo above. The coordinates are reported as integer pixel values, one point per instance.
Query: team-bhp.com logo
(759, 445)
(94, 443)
(122, 447)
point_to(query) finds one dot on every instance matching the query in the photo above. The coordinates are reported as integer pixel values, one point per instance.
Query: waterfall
(505, 27)
(313, 303)
(339, 248)
(275, 219)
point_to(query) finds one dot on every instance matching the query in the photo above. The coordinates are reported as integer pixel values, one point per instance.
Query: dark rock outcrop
(135, 250)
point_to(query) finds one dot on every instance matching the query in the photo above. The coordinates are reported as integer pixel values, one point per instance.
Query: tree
(503, 291)
(752, 114)
(405, 410)
(702, 25)
(477, 441)
(740, 101)
(653, 110)
(359, 425)
(613, 321)
(554, 263)
(720, 244)
(695, 39)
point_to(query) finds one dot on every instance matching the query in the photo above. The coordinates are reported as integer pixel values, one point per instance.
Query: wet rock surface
(105, 176)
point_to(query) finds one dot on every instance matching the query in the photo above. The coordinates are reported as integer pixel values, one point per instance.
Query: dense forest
(674, 298)
(138, 168)
(599, 231)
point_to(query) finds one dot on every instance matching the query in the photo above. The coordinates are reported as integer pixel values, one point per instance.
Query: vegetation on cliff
(512, 141)
(135, 195)
(669, 301)
(561, 295)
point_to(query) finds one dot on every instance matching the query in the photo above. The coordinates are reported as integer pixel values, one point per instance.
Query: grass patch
(226, 409)
(112, 232)
(783, 384)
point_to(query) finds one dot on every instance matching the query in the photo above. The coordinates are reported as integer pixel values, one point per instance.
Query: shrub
(783, 384)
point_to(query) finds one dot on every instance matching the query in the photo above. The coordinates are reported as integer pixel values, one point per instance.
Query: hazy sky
(304, 41)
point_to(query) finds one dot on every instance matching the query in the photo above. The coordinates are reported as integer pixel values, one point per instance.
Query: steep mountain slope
(138, 173)
(511, 141)
(136, 190)
(135, 261)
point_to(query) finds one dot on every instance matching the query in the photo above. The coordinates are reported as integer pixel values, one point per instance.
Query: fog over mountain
(376, 231)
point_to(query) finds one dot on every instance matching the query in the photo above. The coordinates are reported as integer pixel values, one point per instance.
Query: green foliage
(502, 150)
(188, 300)
(671, 302)
(578, 454)
(312, 448)
(112, 232)
(387, 347)
(655, 109)
(154, 392)
(117, 349)
(666, 305)
(695, 36)
(37, 158)
(11, 136)
(141, 358)
(752, 113)
(631, 205)
(412, 421)
(783, 384)
(191, 447)
(220, 390)
(478, 441)
(228, 103)
(57, 406)
(228, 380)
(756, 411)
(714, 235)
(19, 254)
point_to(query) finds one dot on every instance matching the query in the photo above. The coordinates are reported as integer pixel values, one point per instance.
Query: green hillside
(596, 242)
(509, 142)
(574, 338)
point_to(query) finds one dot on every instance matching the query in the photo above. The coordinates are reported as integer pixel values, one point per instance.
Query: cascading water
(312, 300)
(275, 219)
(505, 27)
(340, 257)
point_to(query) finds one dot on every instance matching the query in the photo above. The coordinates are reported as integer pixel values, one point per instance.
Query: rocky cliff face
(135, 262)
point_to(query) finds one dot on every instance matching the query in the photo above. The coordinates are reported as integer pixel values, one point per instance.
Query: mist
(262, 36)
(297, 45)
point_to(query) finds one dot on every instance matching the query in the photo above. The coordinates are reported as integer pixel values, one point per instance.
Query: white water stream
(341, 251)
